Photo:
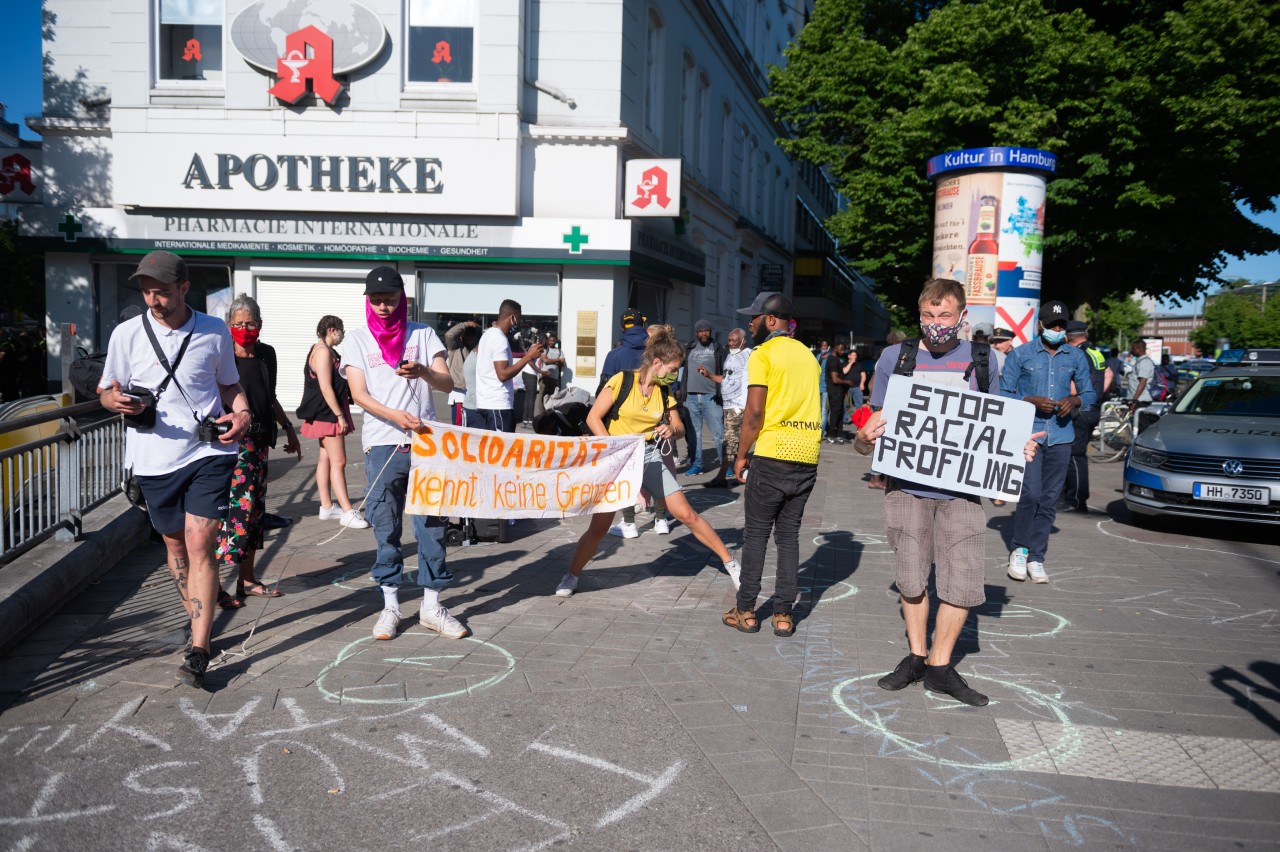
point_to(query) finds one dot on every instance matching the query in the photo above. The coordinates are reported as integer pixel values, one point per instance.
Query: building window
(653, 75)
(726, 149)
(190, 41)
(688, 116)
(700, 123)
(441, 41)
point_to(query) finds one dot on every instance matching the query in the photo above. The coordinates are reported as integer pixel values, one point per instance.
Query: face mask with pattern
(937, 334)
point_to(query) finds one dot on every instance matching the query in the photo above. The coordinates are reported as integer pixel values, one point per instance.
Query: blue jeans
(1038, 504)
(823, 393)
(495, 419)
(384, 510)
(703, 406)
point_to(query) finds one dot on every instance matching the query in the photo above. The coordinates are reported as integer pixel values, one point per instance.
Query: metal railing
(48, 483)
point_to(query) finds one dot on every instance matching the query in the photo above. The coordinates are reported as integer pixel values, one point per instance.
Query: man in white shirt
(392, 367)
(495, 374)
(733, 388)
(181, 446)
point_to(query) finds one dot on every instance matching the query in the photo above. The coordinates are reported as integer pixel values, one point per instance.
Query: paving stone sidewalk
(1135, 699)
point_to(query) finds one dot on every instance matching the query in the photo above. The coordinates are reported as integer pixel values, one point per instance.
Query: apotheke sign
(436, 176)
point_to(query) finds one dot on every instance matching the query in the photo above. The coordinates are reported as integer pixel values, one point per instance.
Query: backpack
(568, 396)
(85, 372)
(1161, 387)
(981, 363)
(628, 381)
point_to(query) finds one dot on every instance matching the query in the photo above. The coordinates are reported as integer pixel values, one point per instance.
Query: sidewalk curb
(35, 586)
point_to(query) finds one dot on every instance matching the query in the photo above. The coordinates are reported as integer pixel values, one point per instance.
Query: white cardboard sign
(952, 439)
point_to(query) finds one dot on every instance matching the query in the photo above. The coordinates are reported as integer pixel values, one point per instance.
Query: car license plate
(1231, 493)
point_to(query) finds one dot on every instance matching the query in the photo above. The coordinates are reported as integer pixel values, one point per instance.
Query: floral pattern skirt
(242, 530)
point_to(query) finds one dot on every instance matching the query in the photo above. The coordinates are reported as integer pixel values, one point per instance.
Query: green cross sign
(70, 228)
(576, 240)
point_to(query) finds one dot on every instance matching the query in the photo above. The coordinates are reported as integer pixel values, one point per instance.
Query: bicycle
(1116, 428)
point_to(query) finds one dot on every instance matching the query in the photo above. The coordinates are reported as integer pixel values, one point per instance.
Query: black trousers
(1075, 492)
(774, 503)
(835, 412)
(692, 452)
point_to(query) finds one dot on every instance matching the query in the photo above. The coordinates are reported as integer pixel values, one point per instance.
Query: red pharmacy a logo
(15, 173)
(652, 187)
(307, 65)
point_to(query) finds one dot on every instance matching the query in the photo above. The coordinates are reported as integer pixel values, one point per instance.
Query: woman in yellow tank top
(642, 413)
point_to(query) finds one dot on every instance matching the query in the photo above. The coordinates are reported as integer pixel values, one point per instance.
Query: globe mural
(260, 30)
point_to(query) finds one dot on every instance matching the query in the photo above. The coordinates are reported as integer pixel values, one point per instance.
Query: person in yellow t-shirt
(642, 413)
(783, 419)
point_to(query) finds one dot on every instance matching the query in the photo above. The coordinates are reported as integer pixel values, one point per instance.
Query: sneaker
(662, 526)
(1036, 570)
(734, 571)
(272, 521)
(947, 680)
(387, 624)
(332, 513)
(443, 623)
(911, 669)
(842, 440)
(694, 471)
(193, 667)
(1018, 563)
(354, 520)
(624, 530)
(568, 585)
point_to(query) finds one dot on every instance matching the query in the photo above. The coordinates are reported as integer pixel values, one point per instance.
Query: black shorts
(202, 488)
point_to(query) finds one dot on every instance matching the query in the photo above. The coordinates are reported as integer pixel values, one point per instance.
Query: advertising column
(988, 232)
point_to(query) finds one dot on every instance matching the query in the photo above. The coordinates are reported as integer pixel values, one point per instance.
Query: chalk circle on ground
(355, 648)
(848, 538)
(1069, 741)
(814, 588)
(991, 624)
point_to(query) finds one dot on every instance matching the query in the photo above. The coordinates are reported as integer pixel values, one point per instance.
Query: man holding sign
(944, 413)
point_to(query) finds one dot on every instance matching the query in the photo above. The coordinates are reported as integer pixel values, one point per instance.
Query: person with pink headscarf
(391, 368)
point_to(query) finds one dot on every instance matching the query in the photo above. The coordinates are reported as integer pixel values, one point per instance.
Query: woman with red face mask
(241, 536)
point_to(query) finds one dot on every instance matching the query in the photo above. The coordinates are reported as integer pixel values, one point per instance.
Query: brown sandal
(783, 624)
(741, 619)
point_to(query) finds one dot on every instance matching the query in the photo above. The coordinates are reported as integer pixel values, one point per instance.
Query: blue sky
(20, 92)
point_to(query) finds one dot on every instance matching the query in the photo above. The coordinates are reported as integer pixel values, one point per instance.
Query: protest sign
(472, 473)
(953, 439)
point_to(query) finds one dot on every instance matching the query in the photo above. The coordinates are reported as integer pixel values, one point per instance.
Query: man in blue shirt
(1041, 372)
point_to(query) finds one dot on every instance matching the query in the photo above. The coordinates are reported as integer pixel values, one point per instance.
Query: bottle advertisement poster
(988, 234)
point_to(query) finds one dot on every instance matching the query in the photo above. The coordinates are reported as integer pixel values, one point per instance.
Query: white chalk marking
(235, 720)
(62, 736)
(135, 733)
(655, 785)
(160, 842)
(25, 843)
(300, 720)
(251, 766)
(503, 805)
(1180, 546)
(39, 733)
(445, 728)
(36, 814)
(415, 759)
(190, 795)
(271, 834)
(1236, 617)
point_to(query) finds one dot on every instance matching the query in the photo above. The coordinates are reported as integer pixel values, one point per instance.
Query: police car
(1216, 452)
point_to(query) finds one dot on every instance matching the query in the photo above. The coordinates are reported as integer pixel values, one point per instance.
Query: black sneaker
(191, 672)
(910, 670)
(947, 679)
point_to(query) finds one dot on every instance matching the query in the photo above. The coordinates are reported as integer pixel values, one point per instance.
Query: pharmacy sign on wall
(652, 188)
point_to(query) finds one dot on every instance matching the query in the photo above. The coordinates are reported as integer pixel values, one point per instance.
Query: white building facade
(285, 147)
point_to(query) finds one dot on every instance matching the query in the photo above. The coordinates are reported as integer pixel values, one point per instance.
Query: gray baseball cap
(164, 266)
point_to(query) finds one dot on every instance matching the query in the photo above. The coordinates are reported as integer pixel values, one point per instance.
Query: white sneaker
(443, 623)
(624, 530)
(568, 584)
(387, 624)
(662, 526)
(330, 514)
(354, 520)
(1037, 572)
(1018, 563)
(735, 573)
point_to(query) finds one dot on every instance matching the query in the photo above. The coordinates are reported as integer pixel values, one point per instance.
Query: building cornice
(69, 125)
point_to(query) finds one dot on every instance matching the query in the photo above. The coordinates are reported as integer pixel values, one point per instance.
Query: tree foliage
(1240, 319)
(1117, 321)
(1163, 118)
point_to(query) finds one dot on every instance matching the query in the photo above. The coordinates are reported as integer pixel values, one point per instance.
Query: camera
(209, 430)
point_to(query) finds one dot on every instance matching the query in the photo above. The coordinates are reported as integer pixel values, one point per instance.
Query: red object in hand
(860, 416)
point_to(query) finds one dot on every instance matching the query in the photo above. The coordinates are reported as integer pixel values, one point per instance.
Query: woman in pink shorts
(326, 416)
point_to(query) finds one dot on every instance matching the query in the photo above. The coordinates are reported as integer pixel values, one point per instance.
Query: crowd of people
(199, 394)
